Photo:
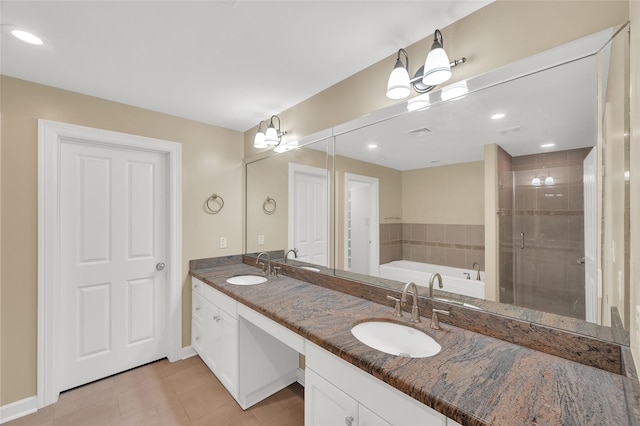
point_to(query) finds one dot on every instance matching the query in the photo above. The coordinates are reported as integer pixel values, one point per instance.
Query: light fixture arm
(437, 43)
(406, 59)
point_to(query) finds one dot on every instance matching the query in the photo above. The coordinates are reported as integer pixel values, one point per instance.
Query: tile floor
(163, 393)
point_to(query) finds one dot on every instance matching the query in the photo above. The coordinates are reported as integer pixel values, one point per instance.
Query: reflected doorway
(361, 242)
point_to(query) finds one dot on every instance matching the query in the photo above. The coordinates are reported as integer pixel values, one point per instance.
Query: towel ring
(214, 198)
(265, 206)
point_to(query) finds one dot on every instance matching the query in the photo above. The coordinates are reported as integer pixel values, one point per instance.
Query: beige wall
(212, 163)
(452, 194)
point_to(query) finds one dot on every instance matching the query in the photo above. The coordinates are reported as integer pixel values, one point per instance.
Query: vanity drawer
(221, 300)
(197, 307)
(197, 286)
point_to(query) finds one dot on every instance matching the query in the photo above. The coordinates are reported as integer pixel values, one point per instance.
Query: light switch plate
(260, 240)
(223, 242)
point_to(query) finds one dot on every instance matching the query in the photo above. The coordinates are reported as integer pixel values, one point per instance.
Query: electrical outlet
(223, 242)
(260, 240)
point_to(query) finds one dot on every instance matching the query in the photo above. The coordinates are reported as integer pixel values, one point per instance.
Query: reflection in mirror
(287, 203)
(414, 194)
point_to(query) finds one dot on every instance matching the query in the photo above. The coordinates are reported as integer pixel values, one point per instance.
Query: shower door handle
(522, 240)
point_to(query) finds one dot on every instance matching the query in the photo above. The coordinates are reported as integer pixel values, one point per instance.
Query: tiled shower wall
(449, 245)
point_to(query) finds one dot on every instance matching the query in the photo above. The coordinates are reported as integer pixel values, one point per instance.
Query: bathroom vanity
(251, 335)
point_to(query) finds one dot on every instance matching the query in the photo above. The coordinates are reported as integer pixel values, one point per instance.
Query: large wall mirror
(500, 190)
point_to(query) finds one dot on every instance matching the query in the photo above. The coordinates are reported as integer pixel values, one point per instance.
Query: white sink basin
(396, 339)
(246, 280)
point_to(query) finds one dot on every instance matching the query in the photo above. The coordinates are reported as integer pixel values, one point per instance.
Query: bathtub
(453, 279)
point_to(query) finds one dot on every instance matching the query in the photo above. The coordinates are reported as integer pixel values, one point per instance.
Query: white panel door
(308, 213)
(113, 240)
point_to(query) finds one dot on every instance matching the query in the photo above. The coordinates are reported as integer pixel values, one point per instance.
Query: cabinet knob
(348, 420)
(216, 318)
(198, 308)
(197, 338)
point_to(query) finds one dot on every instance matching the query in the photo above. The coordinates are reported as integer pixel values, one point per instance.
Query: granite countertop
(475, 379)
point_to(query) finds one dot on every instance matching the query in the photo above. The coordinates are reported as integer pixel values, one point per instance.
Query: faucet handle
(397, 311)
(275, 270)
(435, 321)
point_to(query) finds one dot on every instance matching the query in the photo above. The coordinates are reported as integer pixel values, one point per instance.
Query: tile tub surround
(441, 244)
(475, 379)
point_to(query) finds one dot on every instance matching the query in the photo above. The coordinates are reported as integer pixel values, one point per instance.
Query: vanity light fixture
(271, 138)
(536, 181)
(419, 102)
(436, 70)
(454, 91)
(549, 180)
(258, 141)
(286, 146)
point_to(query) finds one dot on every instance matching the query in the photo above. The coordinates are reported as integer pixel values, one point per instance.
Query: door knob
(580, 261)
(160, 266)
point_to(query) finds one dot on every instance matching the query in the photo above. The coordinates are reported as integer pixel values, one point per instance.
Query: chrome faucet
(295, 254)
(436, 275)
(415, 314)
(477, 265)
(266, 266)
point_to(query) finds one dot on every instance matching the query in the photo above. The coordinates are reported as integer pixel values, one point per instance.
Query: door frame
(374, 226)
(50, 137)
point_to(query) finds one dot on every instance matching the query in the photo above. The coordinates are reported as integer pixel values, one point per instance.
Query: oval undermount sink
(246, 280)
(396, 339)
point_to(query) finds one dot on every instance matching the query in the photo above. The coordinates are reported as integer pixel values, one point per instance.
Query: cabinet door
(369, 418)
(324, 404)
(228, 367)
(213, 326)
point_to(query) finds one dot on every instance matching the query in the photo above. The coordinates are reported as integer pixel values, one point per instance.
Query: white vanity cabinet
(325, 404)
(214, 332)
(339, 393)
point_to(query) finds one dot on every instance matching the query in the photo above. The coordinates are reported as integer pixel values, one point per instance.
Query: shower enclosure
(542, 233)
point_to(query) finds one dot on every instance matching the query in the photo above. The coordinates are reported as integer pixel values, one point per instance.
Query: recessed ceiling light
(23, 35)
(497, 116)
(547, 145)
(372, 146)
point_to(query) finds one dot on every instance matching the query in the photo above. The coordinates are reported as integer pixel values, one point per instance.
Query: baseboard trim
(18, 409)
(188, 352)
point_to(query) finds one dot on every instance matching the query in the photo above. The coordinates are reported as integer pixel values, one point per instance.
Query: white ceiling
(227, 63)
